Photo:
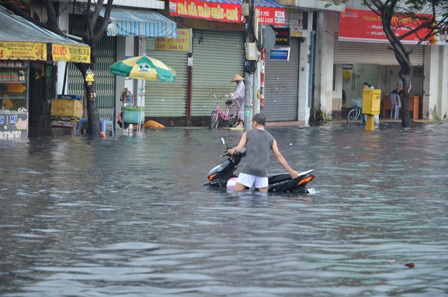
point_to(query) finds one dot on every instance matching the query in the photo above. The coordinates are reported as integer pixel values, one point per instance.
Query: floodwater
(129, 216)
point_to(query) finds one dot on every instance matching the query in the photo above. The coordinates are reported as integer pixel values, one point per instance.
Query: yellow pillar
(370, 125)
(371, 101)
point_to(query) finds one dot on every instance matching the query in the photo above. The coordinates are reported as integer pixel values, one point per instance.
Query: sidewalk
(293, 123)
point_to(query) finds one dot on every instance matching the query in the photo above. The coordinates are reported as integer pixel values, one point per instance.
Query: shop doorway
(384, 77)
(41, 92)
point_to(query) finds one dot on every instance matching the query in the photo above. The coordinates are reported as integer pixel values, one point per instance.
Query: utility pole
(250, 64)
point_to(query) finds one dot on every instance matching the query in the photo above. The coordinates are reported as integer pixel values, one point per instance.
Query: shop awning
(21, 39)
(133, 22)
(270, 11)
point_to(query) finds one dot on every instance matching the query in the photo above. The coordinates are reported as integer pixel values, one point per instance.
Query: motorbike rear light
(306, 180)
(211, 177)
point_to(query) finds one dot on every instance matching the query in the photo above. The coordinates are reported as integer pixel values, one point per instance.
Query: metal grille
(217, 56)
(164, 99)
(105, 52)
(282, 86)
(371, 53)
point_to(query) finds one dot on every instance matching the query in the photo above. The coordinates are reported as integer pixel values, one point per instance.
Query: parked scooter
(223, 175)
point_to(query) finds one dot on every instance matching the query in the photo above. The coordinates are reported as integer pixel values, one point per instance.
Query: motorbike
(223, 176)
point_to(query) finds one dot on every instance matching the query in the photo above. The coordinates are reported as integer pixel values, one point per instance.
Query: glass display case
(14, 99)
(14, 85)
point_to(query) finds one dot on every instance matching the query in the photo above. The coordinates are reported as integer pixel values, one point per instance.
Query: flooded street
(129, 216)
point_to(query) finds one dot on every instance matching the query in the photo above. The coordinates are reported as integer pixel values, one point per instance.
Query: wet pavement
(129, 216)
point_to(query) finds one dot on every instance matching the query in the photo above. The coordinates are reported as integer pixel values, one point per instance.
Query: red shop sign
(224, 12)
(365, 26)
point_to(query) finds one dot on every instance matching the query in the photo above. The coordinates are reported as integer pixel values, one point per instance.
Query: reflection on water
(129, 217)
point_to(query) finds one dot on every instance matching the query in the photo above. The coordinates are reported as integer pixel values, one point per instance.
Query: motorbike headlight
(215, 170)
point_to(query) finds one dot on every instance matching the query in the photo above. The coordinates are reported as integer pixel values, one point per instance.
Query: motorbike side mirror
(223, 141)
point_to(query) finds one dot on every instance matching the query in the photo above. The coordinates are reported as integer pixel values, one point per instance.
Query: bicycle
(355, 113)
(228, 116)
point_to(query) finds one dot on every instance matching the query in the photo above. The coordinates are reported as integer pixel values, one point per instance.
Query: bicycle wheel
(233, 121)
(351, 115)
(214, 120)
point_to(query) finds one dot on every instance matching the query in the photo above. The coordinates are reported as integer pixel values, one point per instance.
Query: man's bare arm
(240, 145)
(282, 160)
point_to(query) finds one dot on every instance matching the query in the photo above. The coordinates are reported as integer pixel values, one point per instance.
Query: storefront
(217, 54)
(356, 63)
(26, 55)
(168, 100)
(364, 55)
(282, 82)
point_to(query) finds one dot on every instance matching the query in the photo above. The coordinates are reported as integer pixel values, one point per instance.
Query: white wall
(126, 47)
(63, 25)
(431, 85)
(304, 73)
(435, 99)
(443, 99)
(327, 25)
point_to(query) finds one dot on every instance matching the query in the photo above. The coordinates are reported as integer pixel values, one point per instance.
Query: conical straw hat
(237, 77)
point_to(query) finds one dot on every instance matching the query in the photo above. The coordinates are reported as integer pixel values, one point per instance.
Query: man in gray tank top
(259, 143)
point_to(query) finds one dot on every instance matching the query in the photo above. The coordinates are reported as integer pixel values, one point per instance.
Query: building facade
(345, 62)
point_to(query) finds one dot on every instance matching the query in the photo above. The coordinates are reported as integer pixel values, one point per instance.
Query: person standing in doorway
(258, 143)
(395, 102)
(238, 98)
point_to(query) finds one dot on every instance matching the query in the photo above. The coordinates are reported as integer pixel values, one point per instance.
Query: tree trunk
(93, 117)
(402, 56)
(405, 117)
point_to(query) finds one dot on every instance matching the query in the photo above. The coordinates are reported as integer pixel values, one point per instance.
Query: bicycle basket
(356, 102)
(229, 102)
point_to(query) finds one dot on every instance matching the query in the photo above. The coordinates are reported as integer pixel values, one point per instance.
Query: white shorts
(251, 180)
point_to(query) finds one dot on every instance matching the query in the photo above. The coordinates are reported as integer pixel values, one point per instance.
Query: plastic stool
(80, 123)
(103, 124)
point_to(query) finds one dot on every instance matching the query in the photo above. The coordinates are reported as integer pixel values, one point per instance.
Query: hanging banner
(71, 53)
(23, 51)
(225, 12)
(180, 44)
(365, 26)
(271, 16)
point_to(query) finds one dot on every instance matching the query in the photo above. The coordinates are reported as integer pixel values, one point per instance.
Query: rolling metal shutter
(371, 53)
(282, 86)
(164, 99)
(106, 53)
(217, 57)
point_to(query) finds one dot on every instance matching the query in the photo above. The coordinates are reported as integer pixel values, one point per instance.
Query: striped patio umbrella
(144, 68)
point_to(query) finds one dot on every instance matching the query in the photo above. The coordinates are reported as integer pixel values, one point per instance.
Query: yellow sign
(23, 51)
(180, 44)
(71, 53)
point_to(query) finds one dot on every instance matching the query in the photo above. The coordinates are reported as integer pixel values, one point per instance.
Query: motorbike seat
(279, 178)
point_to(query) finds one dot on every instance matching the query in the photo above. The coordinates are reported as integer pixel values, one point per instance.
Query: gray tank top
(258, 152)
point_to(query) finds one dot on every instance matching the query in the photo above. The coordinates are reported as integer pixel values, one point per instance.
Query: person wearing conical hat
(238, 98)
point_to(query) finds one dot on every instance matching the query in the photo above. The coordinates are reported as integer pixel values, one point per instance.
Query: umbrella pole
(141, 101)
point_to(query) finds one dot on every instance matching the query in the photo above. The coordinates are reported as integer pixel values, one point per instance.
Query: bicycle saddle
(229, 102)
